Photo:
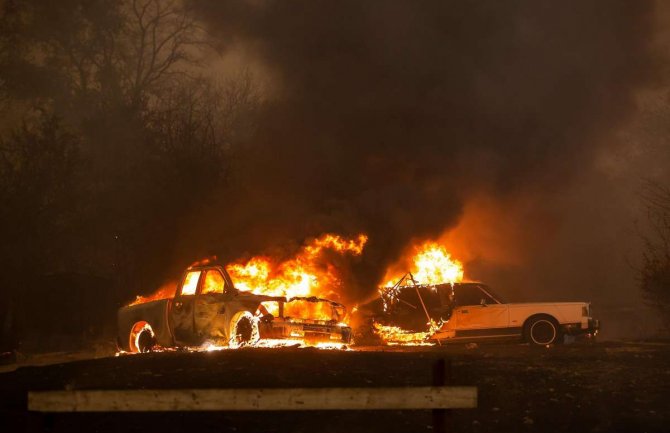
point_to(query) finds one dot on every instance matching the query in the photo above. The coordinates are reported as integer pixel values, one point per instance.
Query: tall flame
(302, 275)
(430, 264)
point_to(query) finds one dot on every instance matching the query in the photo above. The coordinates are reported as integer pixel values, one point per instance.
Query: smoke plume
(388, 117)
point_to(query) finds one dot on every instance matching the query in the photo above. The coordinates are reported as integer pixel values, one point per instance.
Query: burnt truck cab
(207, 307)
(472, 311)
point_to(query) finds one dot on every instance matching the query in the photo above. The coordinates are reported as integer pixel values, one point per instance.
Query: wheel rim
(543, 332)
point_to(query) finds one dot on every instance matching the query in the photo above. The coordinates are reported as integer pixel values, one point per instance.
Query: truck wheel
(542, 330)
(243, 330)
(142, 338)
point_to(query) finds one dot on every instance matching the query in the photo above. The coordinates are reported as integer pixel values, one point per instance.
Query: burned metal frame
(193, 319)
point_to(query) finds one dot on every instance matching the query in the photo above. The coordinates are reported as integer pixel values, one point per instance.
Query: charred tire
(243, 330)
(146, 341)
(542, 330)
(142, 338)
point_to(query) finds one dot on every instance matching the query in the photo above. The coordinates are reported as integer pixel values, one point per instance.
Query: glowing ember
(265, 343)
(430, 264)
(395, 336)
(211, 347)
(337, 243)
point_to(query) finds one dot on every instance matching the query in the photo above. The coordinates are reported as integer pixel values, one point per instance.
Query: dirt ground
(606, 387)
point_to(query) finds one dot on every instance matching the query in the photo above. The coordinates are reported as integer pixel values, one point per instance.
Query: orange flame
(165, 291)
(301, 276)
(301, 309)
(430, 264)
(396, 336)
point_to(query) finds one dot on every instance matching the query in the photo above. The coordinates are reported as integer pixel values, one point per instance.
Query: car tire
(146, 342)
(243, 330)
(142, 338)
(542, 330)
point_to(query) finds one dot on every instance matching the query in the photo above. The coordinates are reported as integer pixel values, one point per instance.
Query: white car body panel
(480, 317)
(563, 312)
(506, 320)
(475, 311)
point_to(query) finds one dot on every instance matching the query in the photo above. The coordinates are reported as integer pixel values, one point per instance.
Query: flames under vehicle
(207, 307)
(412, 313)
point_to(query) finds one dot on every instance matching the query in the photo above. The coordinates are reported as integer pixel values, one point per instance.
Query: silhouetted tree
(654, 273)
(130, 141)
(39, 163)
(39, 192)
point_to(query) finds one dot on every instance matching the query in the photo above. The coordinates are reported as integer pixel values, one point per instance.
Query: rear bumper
(589, 327)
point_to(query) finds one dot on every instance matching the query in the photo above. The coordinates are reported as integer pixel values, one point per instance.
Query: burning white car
(414, 313)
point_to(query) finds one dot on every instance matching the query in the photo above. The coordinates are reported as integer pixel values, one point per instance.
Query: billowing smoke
(387, 116)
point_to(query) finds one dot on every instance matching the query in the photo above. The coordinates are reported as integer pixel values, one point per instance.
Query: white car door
(480, 317)
(477, 310)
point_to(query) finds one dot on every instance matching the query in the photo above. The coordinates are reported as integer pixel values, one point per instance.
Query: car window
(468, 295)
(499, 299)
(408, 305)
(214, 282)
(190, 283)
(485, 296)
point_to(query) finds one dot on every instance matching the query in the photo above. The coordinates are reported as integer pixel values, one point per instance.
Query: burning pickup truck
(207, 307)
(413, 313)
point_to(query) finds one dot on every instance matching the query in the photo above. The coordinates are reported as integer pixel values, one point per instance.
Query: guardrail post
(442, 375)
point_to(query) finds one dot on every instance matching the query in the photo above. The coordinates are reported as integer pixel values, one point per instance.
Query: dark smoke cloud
(388, 115)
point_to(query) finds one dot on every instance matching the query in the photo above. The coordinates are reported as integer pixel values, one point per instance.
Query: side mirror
(482, 302)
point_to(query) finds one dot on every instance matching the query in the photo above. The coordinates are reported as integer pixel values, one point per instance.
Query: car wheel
(244, 330)
(542, 331)
(142, 338)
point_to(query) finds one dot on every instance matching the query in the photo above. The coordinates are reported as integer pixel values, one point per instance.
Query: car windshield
(493, 294)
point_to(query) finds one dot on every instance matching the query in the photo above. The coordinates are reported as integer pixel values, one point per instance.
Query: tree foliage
(96, 53)
(654, 274)
(38, 190)
(111, 137)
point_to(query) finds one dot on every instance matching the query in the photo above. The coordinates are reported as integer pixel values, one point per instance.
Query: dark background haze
(388, 117)
(519, 131)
